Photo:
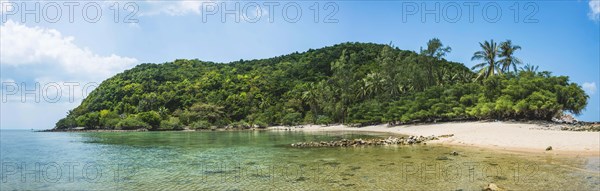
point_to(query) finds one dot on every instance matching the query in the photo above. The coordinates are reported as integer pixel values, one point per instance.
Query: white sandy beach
(507, 136)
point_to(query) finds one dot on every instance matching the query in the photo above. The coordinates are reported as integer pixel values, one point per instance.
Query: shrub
(112, 122)
(132, 123)
(323, 120)
(108, 118)
(203, 124)
(67, 122)
(89, 120)
(291, 119)
(152, 118)
(261, 124)
(222, 123)
(172, 123)
(240, 125)
(309, 118)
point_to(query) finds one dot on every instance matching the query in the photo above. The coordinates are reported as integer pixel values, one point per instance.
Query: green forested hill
(351, 83)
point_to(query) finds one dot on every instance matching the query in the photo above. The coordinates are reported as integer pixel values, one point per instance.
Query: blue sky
(559, 36)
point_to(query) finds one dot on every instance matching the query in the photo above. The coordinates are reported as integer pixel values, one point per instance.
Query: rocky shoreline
(564, 126)
(410, 140)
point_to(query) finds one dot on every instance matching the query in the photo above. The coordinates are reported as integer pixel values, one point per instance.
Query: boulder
(492, 187)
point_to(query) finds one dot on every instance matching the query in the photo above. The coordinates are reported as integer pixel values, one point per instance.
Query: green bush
(89, 120)
(240, 125)
(261, 124)
(203, 124)
(323, 120)
(111, 123)
(132, 123)
(108, 118)
(291, 119)
(309, 118)
(172, 123)
(67, 122)
(221, 123)
(152, 118)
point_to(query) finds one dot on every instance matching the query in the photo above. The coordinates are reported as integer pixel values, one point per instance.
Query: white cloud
(589, 87)
(594, 13)
(173, 8)
(8, 80)
(252, 13)
(33, 55)
(48, 54)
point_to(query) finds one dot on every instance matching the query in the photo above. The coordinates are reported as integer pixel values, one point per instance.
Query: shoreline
(520, 137)
(499, 136)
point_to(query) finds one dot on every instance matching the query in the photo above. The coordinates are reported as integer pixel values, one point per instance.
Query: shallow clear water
(262, 160)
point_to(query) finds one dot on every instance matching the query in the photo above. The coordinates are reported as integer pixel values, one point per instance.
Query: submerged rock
(360, 142)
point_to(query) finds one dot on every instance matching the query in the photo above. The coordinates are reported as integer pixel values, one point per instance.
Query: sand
(519, 137)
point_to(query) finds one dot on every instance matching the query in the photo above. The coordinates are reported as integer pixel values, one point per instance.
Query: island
(355, 84)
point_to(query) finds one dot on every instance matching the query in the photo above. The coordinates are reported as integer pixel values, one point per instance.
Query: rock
(549, 148)
(566, 118)
(492, 187)
(360, 142)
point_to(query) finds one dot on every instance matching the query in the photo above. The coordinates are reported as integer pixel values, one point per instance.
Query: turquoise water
(262, 160)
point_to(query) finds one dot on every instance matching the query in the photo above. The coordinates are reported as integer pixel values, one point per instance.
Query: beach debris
(445, 136)
(360, 142)
(549, 148)
(492, 187)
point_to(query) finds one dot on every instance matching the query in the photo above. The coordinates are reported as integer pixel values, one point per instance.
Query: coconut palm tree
(311, 97)
(489, 66)
(507, 49)
(373, 84)
(530, 68)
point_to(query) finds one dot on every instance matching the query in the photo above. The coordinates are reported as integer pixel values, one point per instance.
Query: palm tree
(530, 68)
(507, 49)
(373, 84)
(490, 66)
(436, 49)
(311, 96)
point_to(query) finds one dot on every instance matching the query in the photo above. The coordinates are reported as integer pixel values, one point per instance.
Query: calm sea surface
(263, 160)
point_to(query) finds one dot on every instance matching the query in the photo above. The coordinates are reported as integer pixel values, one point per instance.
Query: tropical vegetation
(349, 83)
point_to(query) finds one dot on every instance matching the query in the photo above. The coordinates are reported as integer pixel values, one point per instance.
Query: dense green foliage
(351, 83)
